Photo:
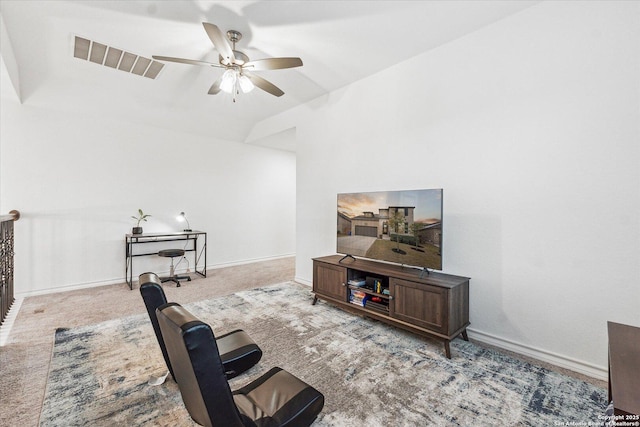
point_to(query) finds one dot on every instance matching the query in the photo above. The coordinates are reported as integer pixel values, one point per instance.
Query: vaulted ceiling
(339, 42)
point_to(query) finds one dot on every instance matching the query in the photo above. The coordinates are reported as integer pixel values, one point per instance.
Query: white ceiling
(339, 42)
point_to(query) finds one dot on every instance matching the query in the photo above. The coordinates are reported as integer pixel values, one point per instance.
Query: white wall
(531, 127)
(78, 180)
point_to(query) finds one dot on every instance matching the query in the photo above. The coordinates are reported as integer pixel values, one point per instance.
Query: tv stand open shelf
(435, 306)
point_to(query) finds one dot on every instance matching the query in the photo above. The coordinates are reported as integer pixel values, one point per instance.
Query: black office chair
(237, 350)
(173, 253)
(277, 398)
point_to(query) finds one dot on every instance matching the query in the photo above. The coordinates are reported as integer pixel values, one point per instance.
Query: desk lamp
(182, 217)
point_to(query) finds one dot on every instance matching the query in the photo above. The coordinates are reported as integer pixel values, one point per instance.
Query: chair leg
(172, 269)
(172, 272)
(172, 276)
(187, 278)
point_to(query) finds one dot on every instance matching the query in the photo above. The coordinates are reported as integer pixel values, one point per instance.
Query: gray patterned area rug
(371, 374)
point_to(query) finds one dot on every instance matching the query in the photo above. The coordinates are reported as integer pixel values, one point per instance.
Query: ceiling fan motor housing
(241, 58)
(234, 36)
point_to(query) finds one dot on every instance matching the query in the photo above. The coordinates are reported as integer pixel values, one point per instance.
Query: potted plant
(141, 217)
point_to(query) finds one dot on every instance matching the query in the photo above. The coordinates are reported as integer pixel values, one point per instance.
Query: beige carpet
(25, 359)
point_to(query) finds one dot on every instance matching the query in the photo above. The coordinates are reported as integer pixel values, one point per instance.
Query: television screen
(403, 227)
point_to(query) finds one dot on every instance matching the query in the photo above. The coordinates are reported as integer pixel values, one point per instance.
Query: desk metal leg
(128, 273)
(198, 256)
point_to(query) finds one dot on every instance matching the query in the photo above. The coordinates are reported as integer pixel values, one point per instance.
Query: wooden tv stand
(435, 305)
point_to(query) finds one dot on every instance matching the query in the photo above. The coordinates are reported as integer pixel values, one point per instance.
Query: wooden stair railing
(6, 262)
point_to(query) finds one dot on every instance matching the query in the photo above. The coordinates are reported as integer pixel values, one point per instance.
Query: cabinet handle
(390, 297)
(343, 284)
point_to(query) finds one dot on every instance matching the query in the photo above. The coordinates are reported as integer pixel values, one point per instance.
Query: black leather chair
(277, 398)
(237, 350)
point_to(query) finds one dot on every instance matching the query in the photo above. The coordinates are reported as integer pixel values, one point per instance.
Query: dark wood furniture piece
(624, 370)
(435, 305)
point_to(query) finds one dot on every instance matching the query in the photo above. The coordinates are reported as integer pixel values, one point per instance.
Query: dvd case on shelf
(357, 282)
(358, 297)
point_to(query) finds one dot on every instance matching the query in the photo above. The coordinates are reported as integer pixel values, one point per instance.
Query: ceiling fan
(239, 69)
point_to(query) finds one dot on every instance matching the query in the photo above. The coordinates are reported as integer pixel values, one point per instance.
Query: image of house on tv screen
(404, 227)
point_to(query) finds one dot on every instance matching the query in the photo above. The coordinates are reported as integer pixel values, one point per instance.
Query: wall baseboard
(581, 367)
(598, 372)
(72, 287)
(303, 281)
(121, 280)
(249, 261)
(593, 371)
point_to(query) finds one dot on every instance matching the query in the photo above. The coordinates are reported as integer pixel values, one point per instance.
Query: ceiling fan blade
(184, 61)
(215, 87)
(219, 42)
(264, 84)
(273, 64)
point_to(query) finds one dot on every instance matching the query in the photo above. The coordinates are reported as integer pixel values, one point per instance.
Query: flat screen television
(403, 227)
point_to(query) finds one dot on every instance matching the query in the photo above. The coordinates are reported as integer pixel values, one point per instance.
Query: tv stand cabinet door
(419, 304)
(330, 280)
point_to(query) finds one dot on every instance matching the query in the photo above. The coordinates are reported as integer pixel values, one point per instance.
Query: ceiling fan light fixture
(245, 84)
(228, 82)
